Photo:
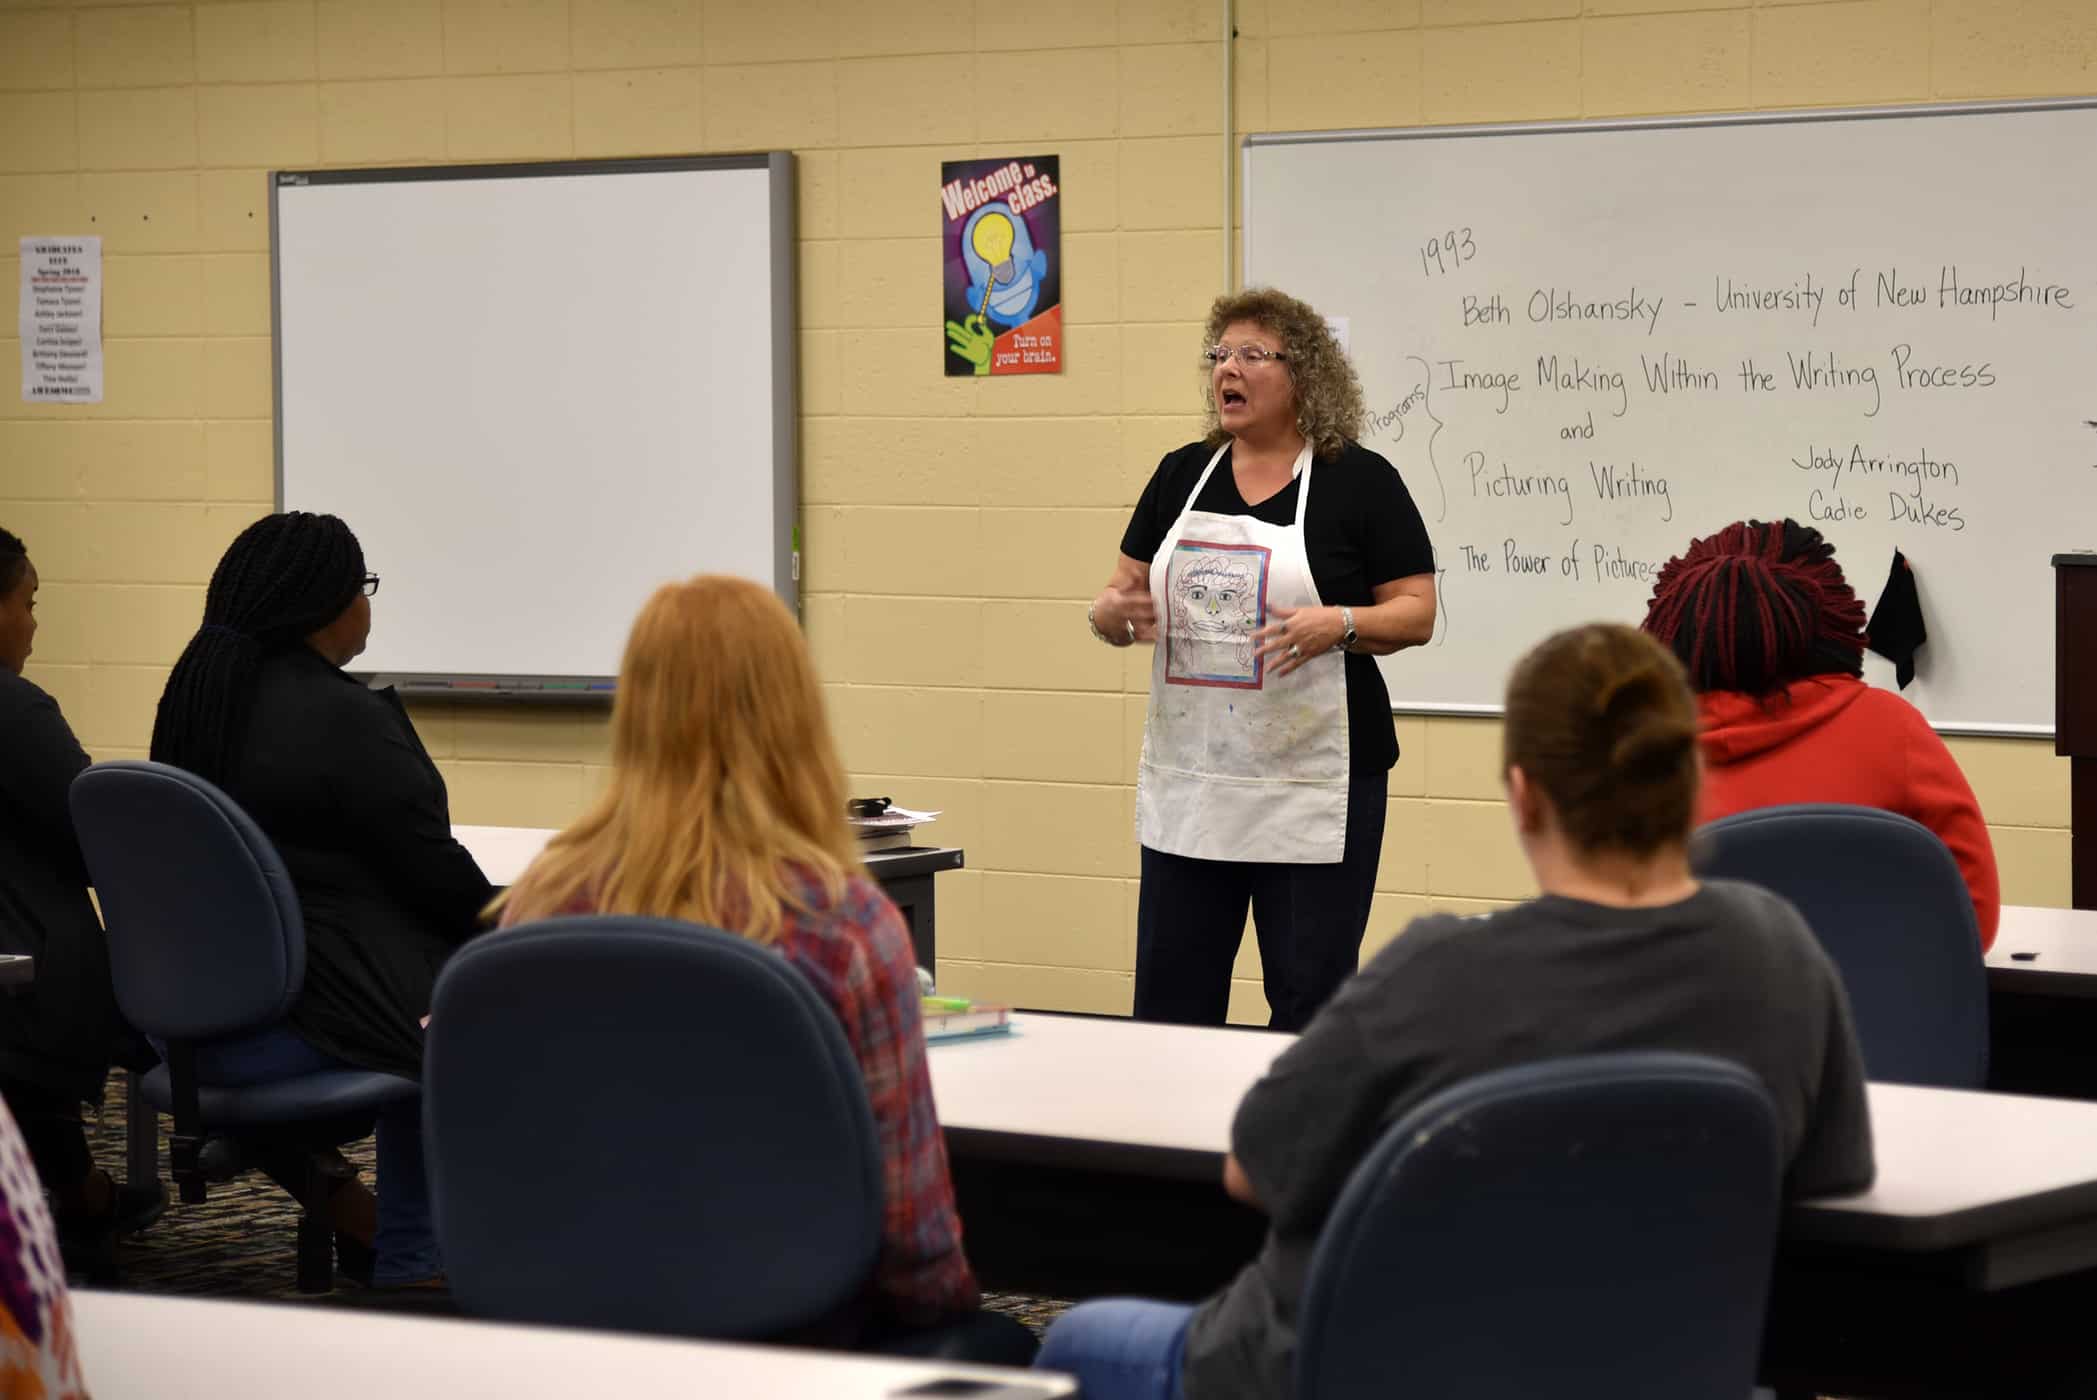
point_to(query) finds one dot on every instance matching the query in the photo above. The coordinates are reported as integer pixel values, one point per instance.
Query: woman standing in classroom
(1268, 745)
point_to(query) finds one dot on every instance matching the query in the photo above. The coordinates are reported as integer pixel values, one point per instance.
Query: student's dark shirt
(1360, 530)
(1731, 971)
(61, 1031)
(336, 777)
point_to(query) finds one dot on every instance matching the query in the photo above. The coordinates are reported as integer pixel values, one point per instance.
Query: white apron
(1238, 764)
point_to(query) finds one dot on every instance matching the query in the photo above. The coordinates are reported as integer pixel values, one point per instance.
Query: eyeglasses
(1246, 354)
(370, 585)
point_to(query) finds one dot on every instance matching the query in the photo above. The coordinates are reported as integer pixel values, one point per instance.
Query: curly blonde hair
(1329, 408)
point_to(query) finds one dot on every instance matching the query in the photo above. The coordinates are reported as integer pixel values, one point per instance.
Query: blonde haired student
(727, 807)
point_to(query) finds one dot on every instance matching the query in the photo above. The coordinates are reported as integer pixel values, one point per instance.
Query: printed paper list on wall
(1583, 347)
(60, 320)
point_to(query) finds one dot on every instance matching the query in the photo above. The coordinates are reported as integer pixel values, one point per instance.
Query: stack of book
(889, 829)
(957, 1018)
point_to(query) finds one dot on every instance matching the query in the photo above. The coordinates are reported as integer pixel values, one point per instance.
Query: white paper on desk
(894, 819)
(60, 320)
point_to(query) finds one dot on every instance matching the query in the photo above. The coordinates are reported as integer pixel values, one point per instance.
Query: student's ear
(1524, 800)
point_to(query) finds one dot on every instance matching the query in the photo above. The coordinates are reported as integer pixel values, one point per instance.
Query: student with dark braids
(59, 1035)
(1773, 639)
(334, 774)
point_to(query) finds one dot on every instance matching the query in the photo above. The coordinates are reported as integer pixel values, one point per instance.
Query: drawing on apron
(1216, 599)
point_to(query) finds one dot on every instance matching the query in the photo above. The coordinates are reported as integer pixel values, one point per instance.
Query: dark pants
(1309, 920)
(406, 1245)
(53, 1133)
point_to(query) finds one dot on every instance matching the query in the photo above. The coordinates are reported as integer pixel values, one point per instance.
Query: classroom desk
(2042, 1002)
(905, 873)
(177, 1348)
(2045, 952)
(1087, 1155)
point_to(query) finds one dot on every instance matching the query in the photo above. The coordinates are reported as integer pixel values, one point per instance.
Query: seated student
(1624, 947)
(727, 807)
(333, 773)
(59, 1034)
(1773, 639)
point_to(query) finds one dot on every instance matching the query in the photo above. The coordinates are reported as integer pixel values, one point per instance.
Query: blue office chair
(650, 1126)
(206, 944)
(1600, 1226)
(1887, 901)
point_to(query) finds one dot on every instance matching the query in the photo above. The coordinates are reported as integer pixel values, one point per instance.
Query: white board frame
(782, 489)
(1865, 578)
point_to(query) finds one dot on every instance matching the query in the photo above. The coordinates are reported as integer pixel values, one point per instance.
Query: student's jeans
(406, 1244)
(1120, 1348)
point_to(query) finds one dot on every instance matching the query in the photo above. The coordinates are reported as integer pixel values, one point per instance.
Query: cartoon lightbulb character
(992, 240)
(1004, 267)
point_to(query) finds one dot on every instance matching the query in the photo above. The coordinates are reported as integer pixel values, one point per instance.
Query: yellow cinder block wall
(954, 529)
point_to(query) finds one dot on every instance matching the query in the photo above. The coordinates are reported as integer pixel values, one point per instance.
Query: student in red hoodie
(1773, 640)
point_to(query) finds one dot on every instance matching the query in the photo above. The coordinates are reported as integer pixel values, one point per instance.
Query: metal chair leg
(141, 1134)
(316, 1244)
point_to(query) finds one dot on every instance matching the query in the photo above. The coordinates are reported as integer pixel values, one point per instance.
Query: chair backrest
(646, 1125)
(205, 936)
(1885, 898)
(1595, 1226)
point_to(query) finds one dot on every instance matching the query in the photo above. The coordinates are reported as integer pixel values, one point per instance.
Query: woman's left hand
(1296, 635)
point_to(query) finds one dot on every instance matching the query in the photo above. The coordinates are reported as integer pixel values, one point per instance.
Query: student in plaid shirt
(727, 807)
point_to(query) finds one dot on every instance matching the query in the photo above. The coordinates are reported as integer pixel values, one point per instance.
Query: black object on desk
(905, 875)
(2075, 712)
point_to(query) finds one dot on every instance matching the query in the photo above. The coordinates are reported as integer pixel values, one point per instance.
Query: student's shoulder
(1883, 709)
(20, 695)
(1750, 917)
(1441, 941)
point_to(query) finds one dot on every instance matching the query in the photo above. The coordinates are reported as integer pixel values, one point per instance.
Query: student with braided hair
(1773, 640)
(334, 774)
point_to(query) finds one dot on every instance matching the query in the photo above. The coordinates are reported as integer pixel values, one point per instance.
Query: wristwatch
(1348, 636)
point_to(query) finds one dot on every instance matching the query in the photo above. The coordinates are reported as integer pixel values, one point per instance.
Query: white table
(1087, 1156)
(177, 1348)
(2013, 1180)
(2045, 952)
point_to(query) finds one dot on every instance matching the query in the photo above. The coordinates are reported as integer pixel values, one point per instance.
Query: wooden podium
(2075, 711)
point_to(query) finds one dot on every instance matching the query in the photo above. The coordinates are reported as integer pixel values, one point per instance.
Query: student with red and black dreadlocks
(1773, 640)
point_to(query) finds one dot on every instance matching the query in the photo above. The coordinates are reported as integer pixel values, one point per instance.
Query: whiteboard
(536, 392)
(1883, 323)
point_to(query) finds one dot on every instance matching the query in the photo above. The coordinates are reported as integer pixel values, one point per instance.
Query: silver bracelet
(1089, 622)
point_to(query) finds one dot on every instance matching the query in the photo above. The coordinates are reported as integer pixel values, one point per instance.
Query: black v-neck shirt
(1360, 530)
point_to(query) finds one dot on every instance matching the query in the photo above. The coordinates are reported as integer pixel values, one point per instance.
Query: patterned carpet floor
(239, 1243)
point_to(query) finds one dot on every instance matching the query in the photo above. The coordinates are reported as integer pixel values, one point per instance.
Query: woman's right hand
(1123, 612)
(1117, 610)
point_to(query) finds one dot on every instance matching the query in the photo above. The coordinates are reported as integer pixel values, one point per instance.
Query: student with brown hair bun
(726, 807)
(1623, 950)
(1773, 639)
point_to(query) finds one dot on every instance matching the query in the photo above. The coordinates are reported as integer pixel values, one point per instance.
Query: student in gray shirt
(1624, 950)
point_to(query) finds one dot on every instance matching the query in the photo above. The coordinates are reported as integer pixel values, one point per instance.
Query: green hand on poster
(972, 341)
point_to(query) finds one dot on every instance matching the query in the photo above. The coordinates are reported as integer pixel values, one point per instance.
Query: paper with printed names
(60, 320)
